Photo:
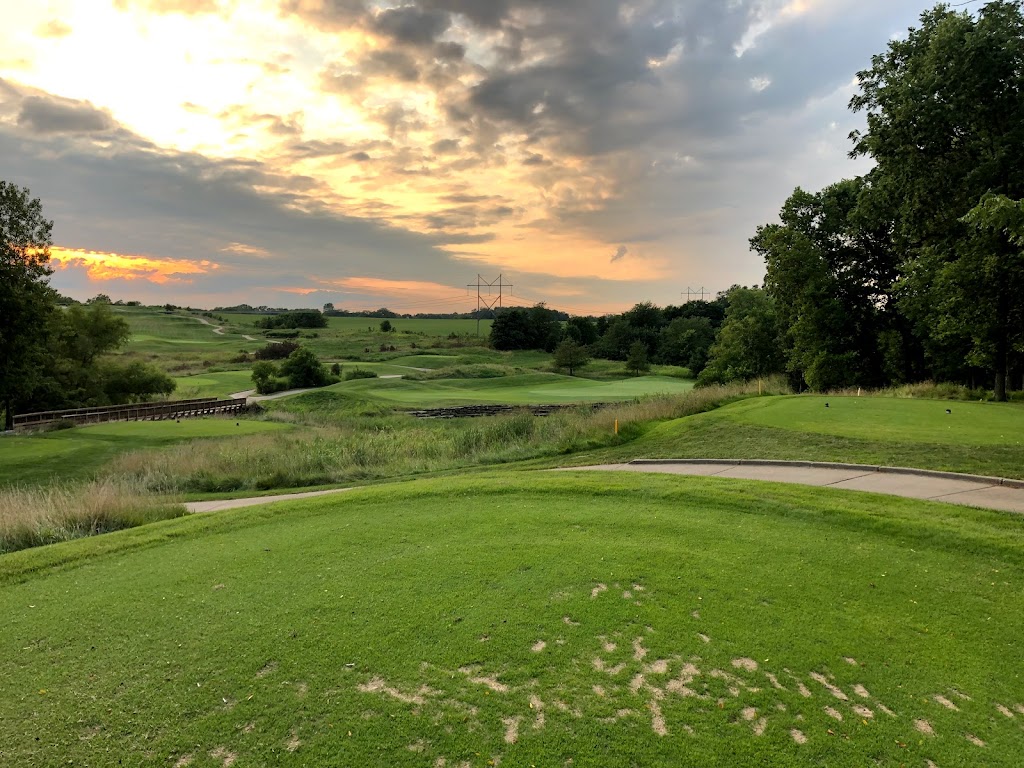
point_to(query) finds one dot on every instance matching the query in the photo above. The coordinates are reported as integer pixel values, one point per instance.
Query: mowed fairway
(520, 389)
(980, 438)
(609, 620)
(74, 454)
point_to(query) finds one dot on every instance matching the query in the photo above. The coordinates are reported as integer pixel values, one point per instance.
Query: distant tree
(328, 307)
(748, 344)
(303, 370)
(686, 341)
(511, 330)
(263, 375)
(99, 298)
(276, 350)
(571, 356)
(582, 330)
(336, 369)
(386, 327)
(302, 319)
(637, 360)
(134, 383)
(25, 297)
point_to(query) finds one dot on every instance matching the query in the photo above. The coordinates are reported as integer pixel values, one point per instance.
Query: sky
(591, 153)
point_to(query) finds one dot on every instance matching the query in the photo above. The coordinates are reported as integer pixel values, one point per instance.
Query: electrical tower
(490, 301)
(692, 292)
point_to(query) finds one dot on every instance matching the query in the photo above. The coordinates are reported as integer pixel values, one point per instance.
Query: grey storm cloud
(412, 25)
(125, 195)
(52, 115)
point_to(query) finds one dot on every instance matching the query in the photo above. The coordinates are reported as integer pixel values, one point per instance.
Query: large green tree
(749, 344)
(945, 127)
(25, 296)
(831, 268)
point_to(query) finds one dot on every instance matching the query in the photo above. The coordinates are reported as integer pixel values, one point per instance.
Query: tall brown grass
(31, 517)
(344, 448)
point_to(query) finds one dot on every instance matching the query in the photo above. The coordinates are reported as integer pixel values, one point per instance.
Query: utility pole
(489, 301)
(691, 292)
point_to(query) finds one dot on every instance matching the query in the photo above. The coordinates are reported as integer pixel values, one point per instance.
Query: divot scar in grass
(620, 682)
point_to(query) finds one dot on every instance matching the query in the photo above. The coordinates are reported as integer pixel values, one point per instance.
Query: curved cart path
(967, 490)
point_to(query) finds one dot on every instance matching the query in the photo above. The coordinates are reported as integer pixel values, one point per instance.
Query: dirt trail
(219, 329)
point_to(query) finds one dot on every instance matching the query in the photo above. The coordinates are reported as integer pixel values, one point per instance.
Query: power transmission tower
(489, 301)
(691, 292)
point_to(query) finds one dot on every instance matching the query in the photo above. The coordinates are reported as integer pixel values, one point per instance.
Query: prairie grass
(339, 446)
(922, 390)
(31, 517)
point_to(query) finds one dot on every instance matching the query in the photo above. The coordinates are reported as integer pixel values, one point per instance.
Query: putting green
(613, 620)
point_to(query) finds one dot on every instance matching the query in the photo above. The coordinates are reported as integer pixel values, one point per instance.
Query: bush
(304, 370)
(359, 373)
(277, 351)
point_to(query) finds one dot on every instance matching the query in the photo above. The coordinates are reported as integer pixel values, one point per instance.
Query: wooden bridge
(175, 409)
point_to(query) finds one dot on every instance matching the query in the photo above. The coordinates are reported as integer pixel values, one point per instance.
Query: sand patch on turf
(598, 590)
(747, 664)
(861, 691)
(511, 729)
(293, 743)
(378, 685)
(539, 646)
(798, 736)
(658, 724)
(974, 740)
(827, 685)
(491, 682)
(749, 714)
(570, 622)
(703, 638)
(183, 761)
(268, 669)
(945, 702)
(639, 652)
(834, 714)
(1004, 711)
(923, 726)
(862, 711)
(226, 757)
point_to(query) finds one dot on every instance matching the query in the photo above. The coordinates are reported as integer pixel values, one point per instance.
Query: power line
(488, 302)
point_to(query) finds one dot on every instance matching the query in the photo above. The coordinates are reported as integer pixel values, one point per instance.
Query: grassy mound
(979, 438)
(610, 620)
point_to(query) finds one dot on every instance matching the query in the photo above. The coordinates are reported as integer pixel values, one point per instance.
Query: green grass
(522, 389)
(979, 438)
(401, 625)
(220, 384)
(75, 454)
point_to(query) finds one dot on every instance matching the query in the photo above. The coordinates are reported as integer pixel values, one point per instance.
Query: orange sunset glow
(101, 267)
(283, 151)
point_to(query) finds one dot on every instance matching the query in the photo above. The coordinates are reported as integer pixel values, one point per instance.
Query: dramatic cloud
(600, 152)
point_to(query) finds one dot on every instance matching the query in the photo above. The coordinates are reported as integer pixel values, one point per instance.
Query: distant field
(611, 620)
(220, 384)
(523, 389)
(372, 324)
(75, 454)
(981, 438)
(176, 342)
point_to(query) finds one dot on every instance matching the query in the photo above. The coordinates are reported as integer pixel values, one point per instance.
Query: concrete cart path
(968, 490)
(219, 506)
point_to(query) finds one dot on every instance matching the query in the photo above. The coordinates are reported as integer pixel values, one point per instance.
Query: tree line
(912, 272)
(915, 270)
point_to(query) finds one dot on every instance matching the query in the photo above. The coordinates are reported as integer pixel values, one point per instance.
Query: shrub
(359, 373)
(278, 351)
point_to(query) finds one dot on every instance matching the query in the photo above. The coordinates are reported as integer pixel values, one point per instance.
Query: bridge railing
(175, 409)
